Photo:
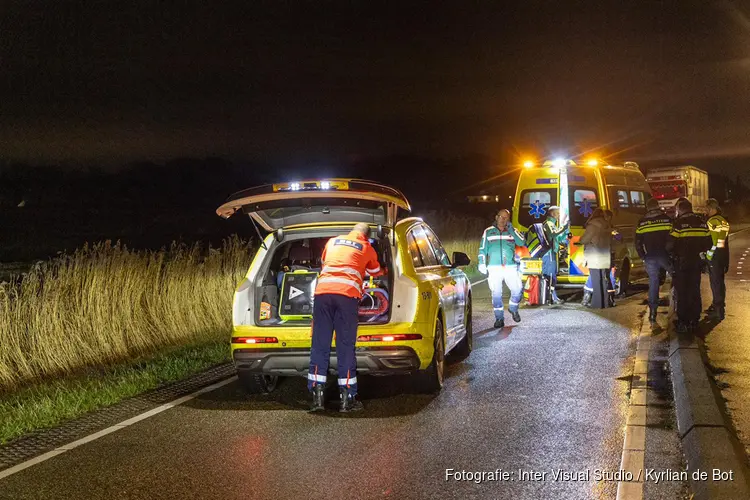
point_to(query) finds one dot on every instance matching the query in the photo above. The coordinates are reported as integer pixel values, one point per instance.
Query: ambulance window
(440, 253)
(622, 200)
(534, 204)
(583, 204)
(638, 198)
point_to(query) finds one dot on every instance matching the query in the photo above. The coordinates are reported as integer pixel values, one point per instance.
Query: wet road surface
(545, 395)
(728, 343)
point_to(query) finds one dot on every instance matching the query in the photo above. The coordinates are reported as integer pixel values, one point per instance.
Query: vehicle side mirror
(460, 259)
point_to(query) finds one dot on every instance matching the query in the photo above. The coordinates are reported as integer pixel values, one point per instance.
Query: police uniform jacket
(652, 234)
(688, 238)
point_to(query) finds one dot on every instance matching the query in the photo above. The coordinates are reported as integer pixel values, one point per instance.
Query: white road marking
(634, 445)
(92, 437)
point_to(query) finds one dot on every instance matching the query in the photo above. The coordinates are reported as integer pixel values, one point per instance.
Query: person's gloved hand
(482, 268)
(703, 256)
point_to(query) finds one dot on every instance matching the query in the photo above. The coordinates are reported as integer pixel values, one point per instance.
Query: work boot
(586, 298)
(516, 317)
(710, 309)
(652, 315)
(557, 301)
(319, 400)
(349, 401)
(500, 323)
(717, 314)
(611, 299)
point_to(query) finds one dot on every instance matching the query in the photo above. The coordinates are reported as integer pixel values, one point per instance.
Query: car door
(456, 286)
(438, 276)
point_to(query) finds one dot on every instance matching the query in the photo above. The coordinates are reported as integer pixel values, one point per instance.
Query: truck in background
(668, 184)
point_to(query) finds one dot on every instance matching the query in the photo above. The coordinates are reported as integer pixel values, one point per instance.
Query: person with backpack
(497, 260)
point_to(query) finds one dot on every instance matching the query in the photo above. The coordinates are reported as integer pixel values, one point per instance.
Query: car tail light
(389, 338)
(255, 340)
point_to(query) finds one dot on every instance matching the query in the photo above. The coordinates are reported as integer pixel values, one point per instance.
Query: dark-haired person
(651, 244)
(688, 239)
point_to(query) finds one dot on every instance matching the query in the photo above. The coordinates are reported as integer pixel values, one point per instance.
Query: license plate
(531, 266)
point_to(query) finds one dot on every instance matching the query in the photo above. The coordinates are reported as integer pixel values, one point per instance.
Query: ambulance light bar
(311, 186)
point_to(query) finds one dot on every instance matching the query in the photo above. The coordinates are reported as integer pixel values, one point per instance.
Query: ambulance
(578, 189)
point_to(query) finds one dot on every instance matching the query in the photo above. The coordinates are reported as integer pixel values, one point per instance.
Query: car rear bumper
(381, 360)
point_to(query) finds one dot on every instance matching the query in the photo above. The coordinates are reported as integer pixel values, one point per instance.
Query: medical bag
(535, 290)
(297, 294)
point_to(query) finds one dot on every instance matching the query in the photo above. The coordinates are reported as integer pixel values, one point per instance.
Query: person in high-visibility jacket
(497, 259)
(718, 258)
(338, 291)
(688, 239)
(556, 236)
(651, 244)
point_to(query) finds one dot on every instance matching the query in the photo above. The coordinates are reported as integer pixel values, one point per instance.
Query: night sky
(290, 81)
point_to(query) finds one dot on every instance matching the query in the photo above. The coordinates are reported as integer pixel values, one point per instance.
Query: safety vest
(719, 228)
(536, 241)
(346, 259)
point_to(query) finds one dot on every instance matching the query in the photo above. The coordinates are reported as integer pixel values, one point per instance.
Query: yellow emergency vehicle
(578, 189)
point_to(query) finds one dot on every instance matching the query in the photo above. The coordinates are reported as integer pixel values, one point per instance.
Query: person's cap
(503, 210)
(712, 203)
(553, 207)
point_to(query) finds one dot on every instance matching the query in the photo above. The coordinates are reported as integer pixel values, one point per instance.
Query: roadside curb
(708, 438)
(43, 441)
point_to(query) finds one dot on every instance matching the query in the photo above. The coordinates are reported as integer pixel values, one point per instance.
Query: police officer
(718, 258)
(338, 292)
(651, 244)
(497, 259)
(556, 236)
(688, 238)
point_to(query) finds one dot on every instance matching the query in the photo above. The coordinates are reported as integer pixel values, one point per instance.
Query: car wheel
(464, 347)
(257, 383)
(432, 378)
(622, 280)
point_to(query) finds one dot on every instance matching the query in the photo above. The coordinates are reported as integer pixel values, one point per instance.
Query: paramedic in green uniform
(556, 236)
(497, 259)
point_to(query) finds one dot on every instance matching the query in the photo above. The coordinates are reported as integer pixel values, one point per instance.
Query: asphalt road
(548, 394)
(728, 343)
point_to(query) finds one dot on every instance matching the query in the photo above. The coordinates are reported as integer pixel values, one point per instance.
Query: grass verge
(49, 403)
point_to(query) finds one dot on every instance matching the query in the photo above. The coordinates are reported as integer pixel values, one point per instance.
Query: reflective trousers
(340, 313)
(496, 275)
